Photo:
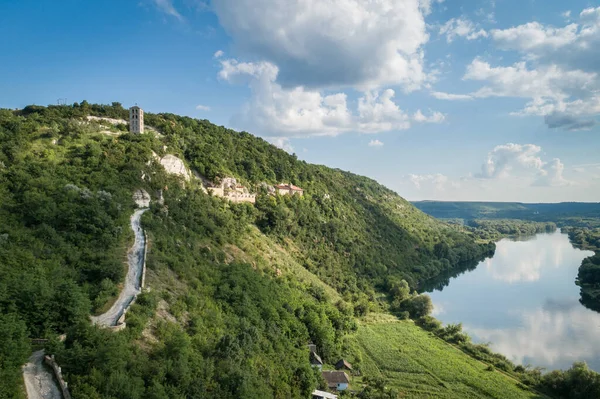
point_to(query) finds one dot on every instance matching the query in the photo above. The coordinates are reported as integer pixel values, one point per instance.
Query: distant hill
(509, 210)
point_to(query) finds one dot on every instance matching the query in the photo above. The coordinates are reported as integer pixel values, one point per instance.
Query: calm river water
(524, 301)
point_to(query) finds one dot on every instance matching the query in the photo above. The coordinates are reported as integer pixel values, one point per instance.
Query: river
(525, 303)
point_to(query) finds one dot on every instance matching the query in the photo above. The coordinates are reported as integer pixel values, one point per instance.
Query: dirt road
(134, 276)
(39, 380)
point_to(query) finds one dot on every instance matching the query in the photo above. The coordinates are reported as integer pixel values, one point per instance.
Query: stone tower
(136, 120)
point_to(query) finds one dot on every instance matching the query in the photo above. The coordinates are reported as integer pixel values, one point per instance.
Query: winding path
(39, 379)
(133, 280)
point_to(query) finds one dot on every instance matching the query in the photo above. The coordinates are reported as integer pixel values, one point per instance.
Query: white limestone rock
(141, 198)
(175, 166)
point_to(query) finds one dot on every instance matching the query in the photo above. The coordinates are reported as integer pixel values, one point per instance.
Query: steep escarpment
(236, 290)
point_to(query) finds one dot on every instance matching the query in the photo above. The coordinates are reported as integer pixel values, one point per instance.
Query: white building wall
(342, 386)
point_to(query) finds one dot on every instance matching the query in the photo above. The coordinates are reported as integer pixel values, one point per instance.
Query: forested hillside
(236, 290)
(564, 213)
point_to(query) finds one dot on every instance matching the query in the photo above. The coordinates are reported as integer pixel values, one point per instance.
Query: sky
(489, 100)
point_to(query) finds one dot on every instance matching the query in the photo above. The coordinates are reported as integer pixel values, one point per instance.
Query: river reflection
(525, 302)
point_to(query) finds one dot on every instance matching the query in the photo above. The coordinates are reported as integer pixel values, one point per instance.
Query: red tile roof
(288, 187)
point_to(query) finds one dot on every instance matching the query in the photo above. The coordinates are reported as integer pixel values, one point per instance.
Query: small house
(342, 364)
(288, 189)
(337, 380)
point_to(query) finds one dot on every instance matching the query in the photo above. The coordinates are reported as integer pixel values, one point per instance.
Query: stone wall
(49, 360)
(143, 282)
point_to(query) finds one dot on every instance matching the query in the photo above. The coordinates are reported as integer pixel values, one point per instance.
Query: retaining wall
(49, 360)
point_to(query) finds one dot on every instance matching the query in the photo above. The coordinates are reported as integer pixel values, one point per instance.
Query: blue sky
(452, 100)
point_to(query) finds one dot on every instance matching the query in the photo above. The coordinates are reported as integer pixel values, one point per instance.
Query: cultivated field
(422, 366)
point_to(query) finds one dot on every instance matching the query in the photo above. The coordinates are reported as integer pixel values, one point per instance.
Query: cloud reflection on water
(524, 301)
(553, 336)
(516, 261)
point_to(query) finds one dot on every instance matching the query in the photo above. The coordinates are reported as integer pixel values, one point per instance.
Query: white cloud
(573, 46)
(437, 180)
(551, 90)
(202, 107)
(549, 82)
(294, 112)
(552, 175)
(534, 36)
(379, 113)
(435, 117)
(426, 5)
(167, 7)
(461, 27)
(218, 54)
(566, 14)
(332, 43)
(559, 74)
(522, 161)
(282, 143)
(510, 172)
(375, 143)
(449, 96)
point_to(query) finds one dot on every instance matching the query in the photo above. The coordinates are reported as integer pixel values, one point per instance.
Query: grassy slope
(422, 366)
(410, 359)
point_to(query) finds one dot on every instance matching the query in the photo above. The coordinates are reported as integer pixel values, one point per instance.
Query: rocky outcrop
(141, 198)
(175, 166)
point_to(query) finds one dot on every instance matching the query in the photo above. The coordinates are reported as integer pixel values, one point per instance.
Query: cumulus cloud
(437, 180)
(552, 174)
(282, 143)
(332, 43)
(167, 7)
(518, 80)
(551, 91)
(378, 112)
(461, 27)
(510, 172)
(535, 36)
(574, 46)
(559, 73)
(375, 143)
(202, 107)
(565, 82)
(277, 111)
(427, 5)
(522, 161)
(218, 54)
(435, 117)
